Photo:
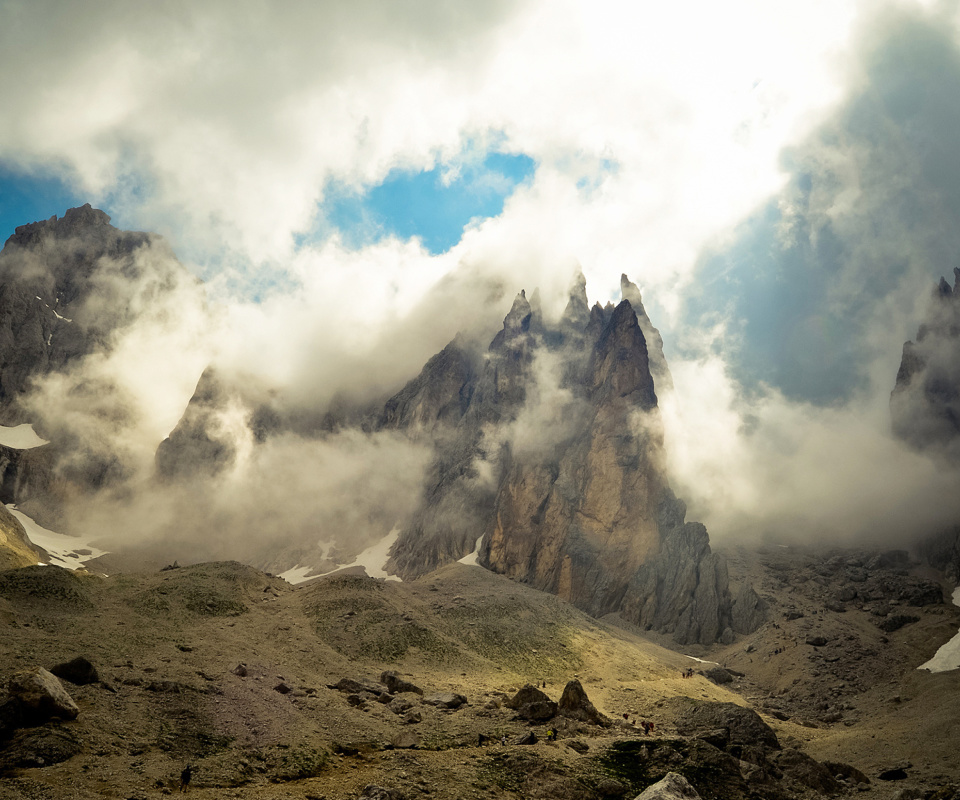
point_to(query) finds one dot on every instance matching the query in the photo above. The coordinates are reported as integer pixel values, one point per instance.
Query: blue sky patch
(435, 205)
(26, 197)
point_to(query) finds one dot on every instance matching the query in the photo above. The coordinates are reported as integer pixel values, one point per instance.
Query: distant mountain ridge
(548, 450)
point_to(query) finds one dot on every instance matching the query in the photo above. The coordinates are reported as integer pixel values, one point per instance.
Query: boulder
(405, 740)
(528, 694)
(395, 684)
(41, 696)
(803, 769)
(718, 675)
(528, 738)
(744, 725)
(401, 704)
(575, 704)
(896, 622)
(448, 700)
(671, 787)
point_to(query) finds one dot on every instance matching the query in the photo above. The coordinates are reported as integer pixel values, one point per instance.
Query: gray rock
(719, 675)
(395, 684)
(896, 622)
(803, 769)
(575, 704)
(744, 725)
(41, 696)
(448, 700)
(672, 787)
(78, 671)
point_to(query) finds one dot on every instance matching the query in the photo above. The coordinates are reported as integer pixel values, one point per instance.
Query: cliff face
(925, 402)
(550, 465)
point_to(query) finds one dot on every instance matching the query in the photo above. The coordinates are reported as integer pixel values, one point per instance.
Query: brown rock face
(580, 518)
(550, 464)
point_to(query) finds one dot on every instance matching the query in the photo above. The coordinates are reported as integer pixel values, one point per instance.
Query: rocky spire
(658, 363)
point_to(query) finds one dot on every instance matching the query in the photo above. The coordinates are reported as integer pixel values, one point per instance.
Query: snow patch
(64, 551)
(472, 559)
(63, 319)
(372, 560)
(948, 656)
(298, 574)
(20, 437)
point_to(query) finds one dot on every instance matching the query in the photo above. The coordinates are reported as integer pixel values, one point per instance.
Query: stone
(41, 696)
(448, 700)
(744, 725)
(395, 684)
(672, 786)
(803, 769)
(78, 671)
(575, 704)
(532, 704)
(896, 621)
(719, 675)
(405, 740)
(528, 738)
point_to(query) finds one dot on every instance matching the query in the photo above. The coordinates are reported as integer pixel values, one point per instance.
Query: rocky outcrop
(925, 402)
(671, 787)
(200, 443)
(550, 456)
(574, 704)
(40, 696)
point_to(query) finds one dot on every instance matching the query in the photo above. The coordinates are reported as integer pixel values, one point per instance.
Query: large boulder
(41, 696)
(807, 771)
(671, 787)
(78, 671)
(575, 704)
(447, 700)
(532, 704)
(397, 685)
(744, 725)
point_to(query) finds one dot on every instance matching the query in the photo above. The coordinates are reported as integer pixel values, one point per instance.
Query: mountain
(548, 447)
(550, 464)
(925, 404)
(68, 288)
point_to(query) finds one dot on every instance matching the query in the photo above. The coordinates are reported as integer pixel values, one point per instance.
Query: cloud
(801, 188)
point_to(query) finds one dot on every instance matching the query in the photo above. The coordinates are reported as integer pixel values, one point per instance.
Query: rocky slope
(325, 690)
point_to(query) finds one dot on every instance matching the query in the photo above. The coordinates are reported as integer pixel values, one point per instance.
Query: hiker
(503, 740)
(185, 778)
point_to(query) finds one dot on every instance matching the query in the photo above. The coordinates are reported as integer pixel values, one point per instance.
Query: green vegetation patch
(515, 636)
(357, 618)
(529, 774)
(46, 584)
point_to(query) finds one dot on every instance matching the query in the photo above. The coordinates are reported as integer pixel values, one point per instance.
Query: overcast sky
(781, 179)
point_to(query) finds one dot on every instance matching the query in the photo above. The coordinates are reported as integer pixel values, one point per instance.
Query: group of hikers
(688, 672)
